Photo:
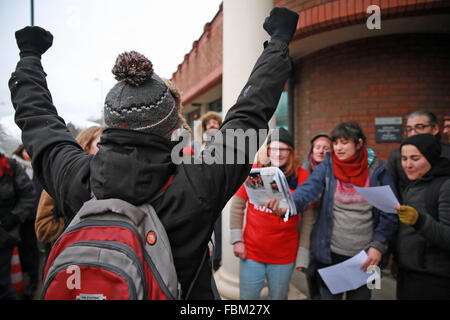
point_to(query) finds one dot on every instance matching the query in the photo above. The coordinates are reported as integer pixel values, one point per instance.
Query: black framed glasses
(418, 128)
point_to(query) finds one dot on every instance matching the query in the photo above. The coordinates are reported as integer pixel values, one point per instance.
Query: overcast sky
(88, 36)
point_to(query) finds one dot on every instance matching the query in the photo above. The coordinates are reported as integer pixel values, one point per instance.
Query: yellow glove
(408, 215)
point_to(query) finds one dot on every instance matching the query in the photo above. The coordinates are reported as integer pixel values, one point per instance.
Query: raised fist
(33, 41)
(281, 24)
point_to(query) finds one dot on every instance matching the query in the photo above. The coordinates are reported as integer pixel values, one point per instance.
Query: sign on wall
(388, 129)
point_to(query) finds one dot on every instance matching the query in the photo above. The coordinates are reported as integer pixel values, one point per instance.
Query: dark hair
(431, 116)
(349, 131)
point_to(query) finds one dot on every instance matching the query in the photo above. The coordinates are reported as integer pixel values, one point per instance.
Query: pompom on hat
(141, 100)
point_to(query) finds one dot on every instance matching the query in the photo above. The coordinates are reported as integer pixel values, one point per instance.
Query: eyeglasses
(282, 151)
(418, 128)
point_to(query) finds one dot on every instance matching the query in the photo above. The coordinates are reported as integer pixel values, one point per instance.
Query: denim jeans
(252, 276)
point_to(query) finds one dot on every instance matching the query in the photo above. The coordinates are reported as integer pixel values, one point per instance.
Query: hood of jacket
(131, 165)
(442, 168)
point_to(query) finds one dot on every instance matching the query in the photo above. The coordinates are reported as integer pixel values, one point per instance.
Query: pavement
(299, 289)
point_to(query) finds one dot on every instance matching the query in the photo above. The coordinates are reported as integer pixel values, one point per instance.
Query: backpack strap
(197, 273)
(432, 196)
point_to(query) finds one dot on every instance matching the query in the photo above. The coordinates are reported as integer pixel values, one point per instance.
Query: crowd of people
(415, 243)
(53, 173)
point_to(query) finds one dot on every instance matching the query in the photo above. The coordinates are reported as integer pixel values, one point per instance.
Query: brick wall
(203, 63)
(321, 15)
(387, 76)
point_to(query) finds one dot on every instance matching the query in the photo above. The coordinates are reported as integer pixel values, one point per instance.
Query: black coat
(425, 246)
(17, 197)
(133, 165)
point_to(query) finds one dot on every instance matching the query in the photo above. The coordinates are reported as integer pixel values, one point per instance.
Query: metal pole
(32, 12)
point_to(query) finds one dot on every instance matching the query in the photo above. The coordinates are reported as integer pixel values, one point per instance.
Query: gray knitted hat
(140, 100)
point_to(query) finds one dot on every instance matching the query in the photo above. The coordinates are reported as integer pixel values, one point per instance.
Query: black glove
(33, 41)
(9, 222)
(281, 24)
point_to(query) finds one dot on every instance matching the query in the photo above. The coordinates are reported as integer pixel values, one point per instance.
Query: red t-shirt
(267, 238)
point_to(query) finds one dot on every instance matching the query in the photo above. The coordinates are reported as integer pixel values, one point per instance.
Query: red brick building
(345, 69)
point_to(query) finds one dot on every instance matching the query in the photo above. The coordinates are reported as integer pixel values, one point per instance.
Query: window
(282, 111)
(216, 106)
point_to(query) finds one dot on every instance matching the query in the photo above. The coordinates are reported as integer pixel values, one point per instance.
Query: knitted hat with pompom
(140, 100)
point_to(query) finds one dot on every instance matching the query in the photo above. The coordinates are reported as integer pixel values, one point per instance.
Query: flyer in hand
(267, 183)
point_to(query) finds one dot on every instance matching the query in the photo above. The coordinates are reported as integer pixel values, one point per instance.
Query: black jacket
(425, 246)
(17, 197)
(133, 165)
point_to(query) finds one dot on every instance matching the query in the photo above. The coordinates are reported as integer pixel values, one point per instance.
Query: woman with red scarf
(346, 223)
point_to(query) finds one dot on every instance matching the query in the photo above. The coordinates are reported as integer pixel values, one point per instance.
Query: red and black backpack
(112, 250)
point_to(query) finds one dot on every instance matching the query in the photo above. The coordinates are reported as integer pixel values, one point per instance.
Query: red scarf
(354, 170)
(5, 167)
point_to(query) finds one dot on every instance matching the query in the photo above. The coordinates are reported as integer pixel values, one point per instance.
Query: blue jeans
(252, 277)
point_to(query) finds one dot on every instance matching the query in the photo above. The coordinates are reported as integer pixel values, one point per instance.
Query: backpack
(111, 250)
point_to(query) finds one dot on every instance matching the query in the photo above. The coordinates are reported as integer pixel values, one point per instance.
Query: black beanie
(283, 136)
(427, 144)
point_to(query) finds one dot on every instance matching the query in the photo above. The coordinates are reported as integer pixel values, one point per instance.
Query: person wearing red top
(268, 245)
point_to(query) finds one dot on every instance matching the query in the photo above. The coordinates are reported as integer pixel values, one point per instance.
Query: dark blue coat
(322, 183)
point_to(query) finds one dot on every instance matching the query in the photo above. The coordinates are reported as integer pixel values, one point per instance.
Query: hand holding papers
(380, 197)
(347, 275)
(264, 184)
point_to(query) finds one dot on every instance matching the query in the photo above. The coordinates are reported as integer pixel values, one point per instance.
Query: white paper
(346, 275)
(383, 198)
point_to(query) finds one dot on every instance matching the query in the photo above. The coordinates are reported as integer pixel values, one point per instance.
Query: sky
(88, 36)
